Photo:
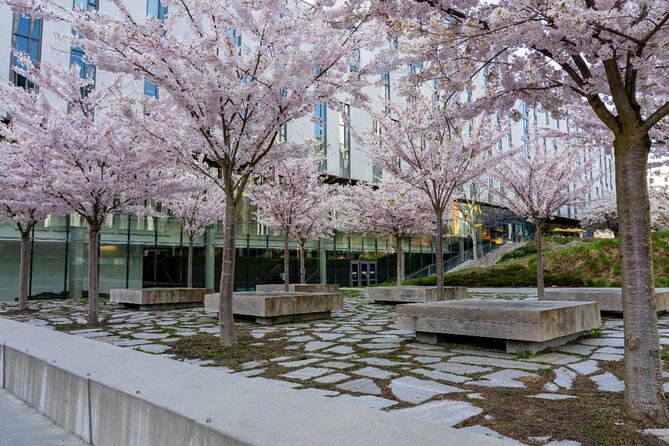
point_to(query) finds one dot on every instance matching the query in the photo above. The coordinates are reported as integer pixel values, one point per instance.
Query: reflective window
(90, 5)
(155, 8)
(26, 38)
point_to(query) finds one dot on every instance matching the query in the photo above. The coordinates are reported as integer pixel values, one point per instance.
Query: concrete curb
(107, 395)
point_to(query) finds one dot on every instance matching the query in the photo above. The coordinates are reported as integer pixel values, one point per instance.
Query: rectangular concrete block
(158, 297)
(125, 397)
(525, 321)
(299, 288)
(610, 300)
(276, 307)
(413, 294)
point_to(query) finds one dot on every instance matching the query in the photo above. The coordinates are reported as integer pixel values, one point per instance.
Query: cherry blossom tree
(434, 148)
(603, 212)
(659, 208)
(292, 199)
(230, 76)
(391, 207)
(606, 57)
(537, 181)
(197, 209)
(318, 223)
(91, 165)
(23, 200)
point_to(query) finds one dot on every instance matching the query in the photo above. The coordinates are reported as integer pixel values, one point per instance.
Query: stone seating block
(413, 294)
(610, 300)
(157, 298)
(299, 288)
(270, 308)
(524, 325)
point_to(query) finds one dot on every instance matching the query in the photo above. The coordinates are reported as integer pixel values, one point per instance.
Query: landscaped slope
(567, 262)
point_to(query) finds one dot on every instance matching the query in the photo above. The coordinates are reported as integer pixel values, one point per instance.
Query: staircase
(491, 258)
(491, 255)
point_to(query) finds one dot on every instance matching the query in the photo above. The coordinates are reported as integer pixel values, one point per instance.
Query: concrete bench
(268, 308)
(525, 325)
(299, 288)
(413, 294)
(111, 396)
(159, 298)
(610, 300)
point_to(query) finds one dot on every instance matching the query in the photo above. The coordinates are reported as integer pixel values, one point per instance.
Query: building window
(283, 133)
(354, 64)
(77, 54)
(89, 5)
(376, 171)
(320, 129)
(155, 8)
(345, 144)
(385, 77)
(26, 38)
(78, 57)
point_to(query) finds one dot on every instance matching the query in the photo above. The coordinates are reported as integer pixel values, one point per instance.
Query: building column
(78, 259)
(210, 258)
(322, 262)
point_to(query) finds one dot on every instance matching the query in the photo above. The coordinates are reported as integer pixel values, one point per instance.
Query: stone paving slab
(362, 385)
(445, 413)
(417, 391)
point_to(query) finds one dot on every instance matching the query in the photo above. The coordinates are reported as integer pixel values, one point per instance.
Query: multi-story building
(146, 251)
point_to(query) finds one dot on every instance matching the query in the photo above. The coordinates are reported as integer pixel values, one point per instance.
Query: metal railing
(455, 261)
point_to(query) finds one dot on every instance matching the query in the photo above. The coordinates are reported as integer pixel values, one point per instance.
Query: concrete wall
(116, 396)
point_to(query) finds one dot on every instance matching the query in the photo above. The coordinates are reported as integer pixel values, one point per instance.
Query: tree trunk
(24, 273)
(93, 275)
(303, 270)
(540, 259)
(644, 396)
(475, 249)
(226, 320)
(440, 254)
(400, 254)
(190, 261)
(286, 263)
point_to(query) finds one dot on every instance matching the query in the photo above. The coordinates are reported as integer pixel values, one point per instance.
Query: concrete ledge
(299, 288)
(610, 300)
(159, 298)
(413, 294)
(269, 308)
(525, 325)
(116, 396)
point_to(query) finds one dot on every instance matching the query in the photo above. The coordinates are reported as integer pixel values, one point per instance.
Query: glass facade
(140, 252)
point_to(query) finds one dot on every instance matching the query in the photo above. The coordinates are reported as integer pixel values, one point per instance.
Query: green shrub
(513, 275)
(529, 249)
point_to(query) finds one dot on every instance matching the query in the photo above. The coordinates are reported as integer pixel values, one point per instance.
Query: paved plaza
(360, 356)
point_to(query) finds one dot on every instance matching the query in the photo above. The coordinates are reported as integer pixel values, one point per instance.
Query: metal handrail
(456, 261)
